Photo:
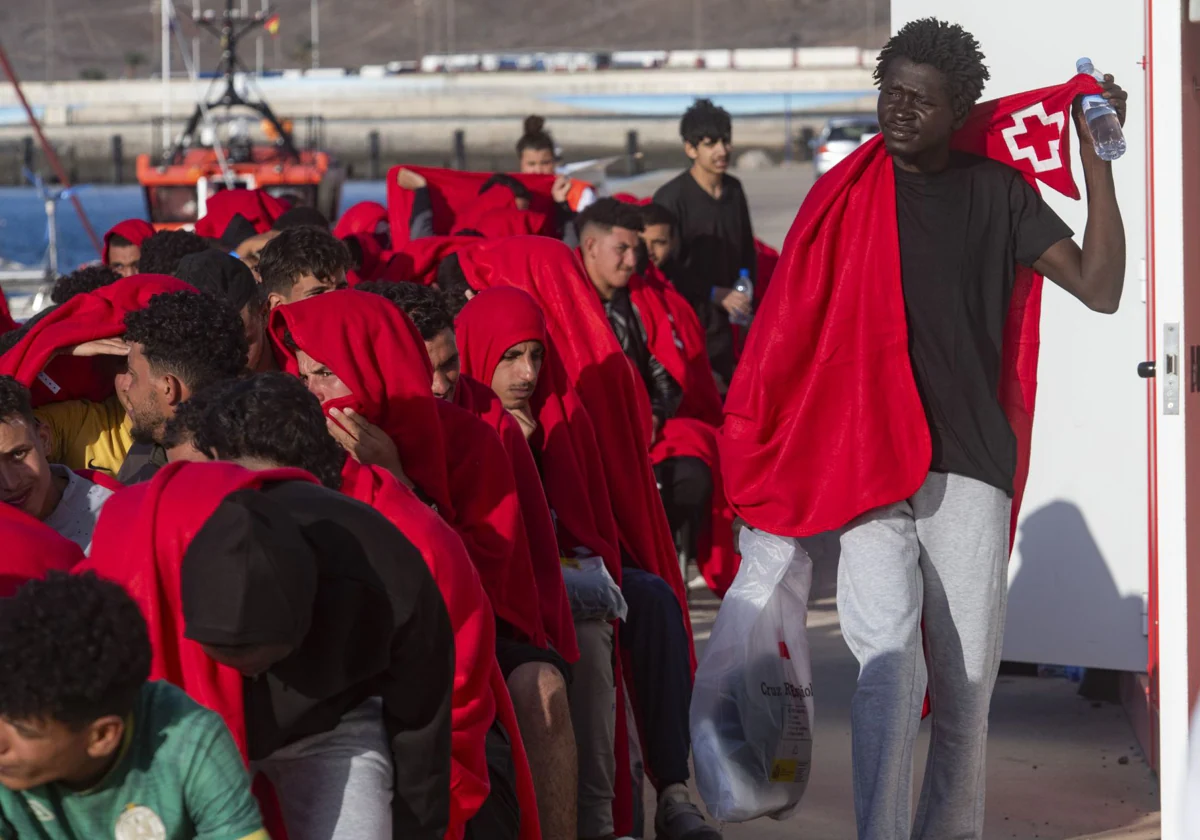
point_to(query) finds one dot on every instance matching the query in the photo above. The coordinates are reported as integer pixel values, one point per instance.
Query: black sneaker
(679, 819)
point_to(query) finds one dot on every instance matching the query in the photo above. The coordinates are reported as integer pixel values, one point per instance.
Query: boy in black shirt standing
(715, 238)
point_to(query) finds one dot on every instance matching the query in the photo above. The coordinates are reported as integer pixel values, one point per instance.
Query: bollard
(633, 158)
(460, 149)
(27, 152)
(375, 173)
(806, 138)
(118, 159)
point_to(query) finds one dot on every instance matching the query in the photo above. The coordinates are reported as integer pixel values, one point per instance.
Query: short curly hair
(198, 338)
(298, 251)
(15, 401)
(705, 121)
(426, 306)
(75, 649)
(271, 416)
(87, 279)
(948, 48)
(162, 252)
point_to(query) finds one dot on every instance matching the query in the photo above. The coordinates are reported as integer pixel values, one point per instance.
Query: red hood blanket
(86, 317)
(616, 400)
(455, 459)
(374, 259)
(826, 423)
(140, 541)
(481, 401)
(417, 260)
(31, 548)
(6, 319)
(454, 194)
(475, 698)
(363, 217)
(693, 432)
(135, 231)
(258, 207)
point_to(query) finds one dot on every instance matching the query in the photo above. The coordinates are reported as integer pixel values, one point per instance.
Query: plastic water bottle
(1107, 137)
(746, 286)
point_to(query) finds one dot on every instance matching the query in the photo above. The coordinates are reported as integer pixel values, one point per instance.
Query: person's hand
(526, 421)
(732, 301)
(410, 180)
(1116, 96)
(367, 443)
(561, 189)
(99, 347)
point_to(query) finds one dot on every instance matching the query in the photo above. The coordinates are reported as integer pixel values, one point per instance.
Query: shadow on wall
(1063, 573)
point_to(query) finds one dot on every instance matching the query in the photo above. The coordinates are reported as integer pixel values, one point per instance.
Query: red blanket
(135, 231)
(31, 548)
(86, 317)
(258, 207)
(475, 695)
(374, 259)
(417, 260)
(480, 401)
(363, 217)
(6, 319)
(826, 423)
(455, 199)
(455, 459)
(140, 541)
(596, 367)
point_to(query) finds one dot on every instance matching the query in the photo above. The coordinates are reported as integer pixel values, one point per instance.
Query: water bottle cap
(1083, 63)
(745, 272)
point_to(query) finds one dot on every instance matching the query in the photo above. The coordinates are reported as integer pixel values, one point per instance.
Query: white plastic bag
(752, 704)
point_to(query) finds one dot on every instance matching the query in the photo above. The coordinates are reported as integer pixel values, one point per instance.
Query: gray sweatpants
(941, 556)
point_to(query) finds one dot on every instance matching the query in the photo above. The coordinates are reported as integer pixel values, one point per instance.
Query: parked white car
(840, 137)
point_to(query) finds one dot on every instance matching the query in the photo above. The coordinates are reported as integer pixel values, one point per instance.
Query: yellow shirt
(87, 435)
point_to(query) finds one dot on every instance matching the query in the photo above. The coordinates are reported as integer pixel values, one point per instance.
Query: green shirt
(179, 777)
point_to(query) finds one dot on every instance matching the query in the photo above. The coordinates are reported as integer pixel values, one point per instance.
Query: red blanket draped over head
(573, 474)
(135, 231)
(596, 367)
(480, 695)
(140, 540)
(455, 459)
(676, 339)
(826, 423)
(31, 548)
(417, 260)
(363, 217)
(479, 400)
(456, 202)
(86, 317)
(258, 207)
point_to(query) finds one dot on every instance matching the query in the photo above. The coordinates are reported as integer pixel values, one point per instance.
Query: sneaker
(679, 819)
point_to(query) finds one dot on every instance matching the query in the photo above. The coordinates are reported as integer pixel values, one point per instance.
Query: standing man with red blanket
(892, 393)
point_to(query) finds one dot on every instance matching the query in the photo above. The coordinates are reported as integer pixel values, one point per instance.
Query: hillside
(67, 39)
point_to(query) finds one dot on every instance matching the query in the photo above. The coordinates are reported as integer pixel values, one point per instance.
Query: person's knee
(539, 693)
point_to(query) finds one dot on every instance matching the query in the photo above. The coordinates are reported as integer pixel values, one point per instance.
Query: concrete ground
(1059, 767)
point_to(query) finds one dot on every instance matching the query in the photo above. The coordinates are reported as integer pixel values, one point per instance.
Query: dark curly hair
(705, 121)
(74, 647)
(298, 251)
(196, 337)
(162, 252)
(609, 213)
(15, 401)
(87, 279)
(453, 283)
(271, 416)
(425, 305)
(948, 48)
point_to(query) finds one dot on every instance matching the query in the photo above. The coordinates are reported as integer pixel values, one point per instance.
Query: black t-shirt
(962, 233)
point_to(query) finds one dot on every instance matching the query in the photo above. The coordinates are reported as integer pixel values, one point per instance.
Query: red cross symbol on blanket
(1036, 137)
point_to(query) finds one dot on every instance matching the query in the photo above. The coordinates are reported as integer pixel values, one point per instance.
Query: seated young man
(300, 263)
(91, 749)
(63, 499)
(238, 421)
(231, 280)
(503, 341)
(178, 343)
(123, 246)
(609, 243)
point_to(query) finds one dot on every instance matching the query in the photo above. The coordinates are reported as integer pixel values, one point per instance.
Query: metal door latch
(1170, 386)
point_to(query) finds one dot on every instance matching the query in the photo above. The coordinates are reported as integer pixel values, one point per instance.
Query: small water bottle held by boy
(1107, 138)
(746, 286)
